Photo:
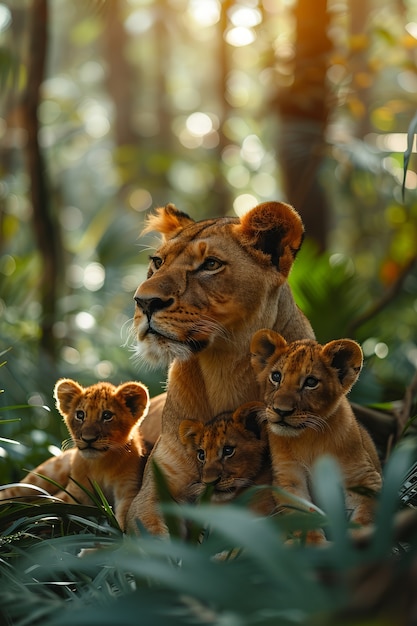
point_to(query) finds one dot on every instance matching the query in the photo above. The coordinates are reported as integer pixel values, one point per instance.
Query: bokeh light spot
(5, 17)
(140, 199)
(199, 124)
(204, 12)
(85, 320)
(104, 369)
(94, 276)
(240, 36)
(244, 203)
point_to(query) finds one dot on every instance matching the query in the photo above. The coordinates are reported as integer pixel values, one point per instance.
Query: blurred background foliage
(110, 108)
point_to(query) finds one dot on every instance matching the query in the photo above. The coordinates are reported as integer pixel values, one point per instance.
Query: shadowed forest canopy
(111, 108)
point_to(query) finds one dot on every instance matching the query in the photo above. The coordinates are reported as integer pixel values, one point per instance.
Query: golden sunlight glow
(204, 12)
(199, 124)
(240, 36)
(245, 16)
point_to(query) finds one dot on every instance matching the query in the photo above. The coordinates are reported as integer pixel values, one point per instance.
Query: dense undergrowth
(233, 569)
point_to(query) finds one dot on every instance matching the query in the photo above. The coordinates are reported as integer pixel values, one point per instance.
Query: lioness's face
(201, 287)
(213, 283)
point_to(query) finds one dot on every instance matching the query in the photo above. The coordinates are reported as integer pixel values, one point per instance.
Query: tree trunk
(121, 80)
(45, 231)
(303, 111)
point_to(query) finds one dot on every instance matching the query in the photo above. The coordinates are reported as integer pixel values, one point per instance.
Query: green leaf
(172, 513)
(407, 154)
(394, 472)
(328, 490)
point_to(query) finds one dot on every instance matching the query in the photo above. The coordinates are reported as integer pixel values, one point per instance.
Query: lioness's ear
(168, 221)
(135, 397)
(274, 229)
(345, 356)
(189, 430)
(263, 345)
(65, 392)
(249, 415)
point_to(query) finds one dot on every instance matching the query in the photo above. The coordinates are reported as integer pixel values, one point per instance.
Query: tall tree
(120, 77)
(303, 109)
(45, 229)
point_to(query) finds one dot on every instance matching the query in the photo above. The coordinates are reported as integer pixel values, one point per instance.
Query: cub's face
(229, 451)
(209, 279)
(303, 381)
(100, 418)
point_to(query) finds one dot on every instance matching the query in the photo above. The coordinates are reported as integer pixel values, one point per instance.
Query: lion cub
(232, 455)
(103, 425)
(308, 415)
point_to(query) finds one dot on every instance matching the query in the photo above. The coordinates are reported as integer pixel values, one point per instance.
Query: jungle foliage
(110, 108)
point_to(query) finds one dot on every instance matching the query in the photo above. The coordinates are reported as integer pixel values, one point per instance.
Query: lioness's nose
(150, 305)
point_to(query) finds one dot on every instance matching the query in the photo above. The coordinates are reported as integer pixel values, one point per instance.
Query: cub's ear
(65, 392)
(274, 229)
(264, 344)
(135, 397)
(168, 221)
(345, 356)
(189, 431)
(250, 416)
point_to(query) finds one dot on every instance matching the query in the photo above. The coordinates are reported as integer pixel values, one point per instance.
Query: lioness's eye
(275, 377)
(107, 416)
(157, 261)
(311, 382)
(201, 455)
(211, 264)
(228, 451)
(79, 415)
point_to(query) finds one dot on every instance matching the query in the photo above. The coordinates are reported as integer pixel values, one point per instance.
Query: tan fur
(210, 286)
(308, 415)
(103, 424)
(231, 455)
(57, 468)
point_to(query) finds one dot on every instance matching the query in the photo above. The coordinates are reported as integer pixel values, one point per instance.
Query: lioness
(210, 286)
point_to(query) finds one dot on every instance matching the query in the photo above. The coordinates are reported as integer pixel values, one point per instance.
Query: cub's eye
(79, 415)
(275, 377)
(211, 264)
(106, 416)
(201, 455)
(157, 261)
(228, 451)
(311, 382)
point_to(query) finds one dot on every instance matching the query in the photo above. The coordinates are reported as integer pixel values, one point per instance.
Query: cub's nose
(150, 305)
(283, 412)
(87, 438)
(209, 481)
